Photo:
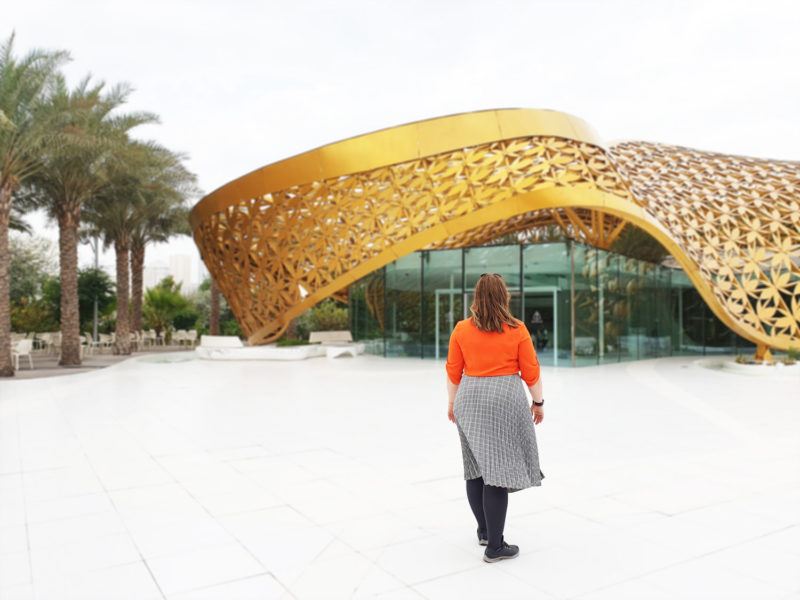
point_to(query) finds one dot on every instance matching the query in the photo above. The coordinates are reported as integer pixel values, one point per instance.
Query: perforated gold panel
(737, 220)
(283, 238)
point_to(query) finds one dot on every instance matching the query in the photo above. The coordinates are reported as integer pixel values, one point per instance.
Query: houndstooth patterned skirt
(498, 441)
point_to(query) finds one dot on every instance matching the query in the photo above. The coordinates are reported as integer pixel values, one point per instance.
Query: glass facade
(582, 305)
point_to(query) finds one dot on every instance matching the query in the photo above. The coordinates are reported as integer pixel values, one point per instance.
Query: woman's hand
(538, 413)
(450, 414)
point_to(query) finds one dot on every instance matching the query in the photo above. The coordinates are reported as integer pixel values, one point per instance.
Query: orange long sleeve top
(485, 353)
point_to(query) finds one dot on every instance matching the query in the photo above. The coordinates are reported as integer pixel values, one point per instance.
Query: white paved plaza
(337, 479)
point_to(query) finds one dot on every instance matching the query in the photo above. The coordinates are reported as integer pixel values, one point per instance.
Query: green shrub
(328, 315)
(230, 327)
(187, 319)
(283, 342)
(794, 354)
(33, 315)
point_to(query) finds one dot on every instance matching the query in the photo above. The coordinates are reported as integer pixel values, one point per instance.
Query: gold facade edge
(393, 145)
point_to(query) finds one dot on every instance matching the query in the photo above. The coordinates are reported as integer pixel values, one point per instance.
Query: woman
(490, 356)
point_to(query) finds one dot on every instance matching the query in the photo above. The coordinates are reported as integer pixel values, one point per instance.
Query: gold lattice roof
(282, 238)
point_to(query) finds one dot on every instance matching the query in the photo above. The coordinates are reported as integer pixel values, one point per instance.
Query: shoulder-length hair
(490, 306)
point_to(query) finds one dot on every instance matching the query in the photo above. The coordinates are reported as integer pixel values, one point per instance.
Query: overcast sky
(242, 84)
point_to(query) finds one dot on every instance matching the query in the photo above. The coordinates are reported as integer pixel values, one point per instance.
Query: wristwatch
(535, 403)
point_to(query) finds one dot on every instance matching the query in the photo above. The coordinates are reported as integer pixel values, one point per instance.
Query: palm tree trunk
(70, 315)
(122, 344)
(213, 318)
(137, 285)
(6, 366)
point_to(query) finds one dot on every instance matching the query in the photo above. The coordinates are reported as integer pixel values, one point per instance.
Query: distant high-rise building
(180, 267)
(153, 274)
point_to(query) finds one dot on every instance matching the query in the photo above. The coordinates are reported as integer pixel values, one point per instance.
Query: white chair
(55, 342)
(155, 339)
(105, 341)
(90, 343)
(191, 337)
(22, 348)
(178, 337)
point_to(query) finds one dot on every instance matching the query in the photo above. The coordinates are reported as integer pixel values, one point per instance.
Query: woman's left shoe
(505, 551)
(482, 539)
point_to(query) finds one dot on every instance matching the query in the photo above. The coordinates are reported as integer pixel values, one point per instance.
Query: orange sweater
(485, 353)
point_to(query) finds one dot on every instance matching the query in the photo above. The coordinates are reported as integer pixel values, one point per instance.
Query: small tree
(33, 260)
(162, 304)
(92, 283)
(328, 315)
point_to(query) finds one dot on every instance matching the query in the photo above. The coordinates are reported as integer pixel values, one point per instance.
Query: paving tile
(65, 508)
(62, 532)
(15, 569)
(702, 579)
(124, 582)
(13, 539)
(259, 587)
(416, 561)
(203, 567)
(80, 555)
(335, 578)
(480, 582)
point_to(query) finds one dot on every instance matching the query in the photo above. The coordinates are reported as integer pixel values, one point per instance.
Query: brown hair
(490, 306)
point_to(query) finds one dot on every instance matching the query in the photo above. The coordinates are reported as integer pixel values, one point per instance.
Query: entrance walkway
(193, 480)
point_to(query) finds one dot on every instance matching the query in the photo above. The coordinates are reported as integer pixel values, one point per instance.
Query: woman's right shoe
(505, 551)
(482, 539)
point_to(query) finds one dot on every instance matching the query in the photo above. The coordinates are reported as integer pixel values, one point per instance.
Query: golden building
(286, 236)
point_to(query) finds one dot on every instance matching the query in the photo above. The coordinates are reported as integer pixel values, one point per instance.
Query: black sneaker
(505, 551)
(482, 539)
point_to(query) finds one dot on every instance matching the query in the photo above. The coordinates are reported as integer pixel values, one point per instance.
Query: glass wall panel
(629, 298)
(402, 310)
(503, 260)
(366, 311)
(625, 309)
(546, 281)
(678, 338)
(662, 283)
(587, 321)
(652, 311)
(688, 314)
(442, 299)
(608, 299)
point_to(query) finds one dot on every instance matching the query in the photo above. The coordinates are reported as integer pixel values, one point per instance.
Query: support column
(763, 353)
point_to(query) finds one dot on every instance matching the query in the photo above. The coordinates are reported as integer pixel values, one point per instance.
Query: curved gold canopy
(284, 237)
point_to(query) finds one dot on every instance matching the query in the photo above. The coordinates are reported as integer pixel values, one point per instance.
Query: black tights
(489, 504)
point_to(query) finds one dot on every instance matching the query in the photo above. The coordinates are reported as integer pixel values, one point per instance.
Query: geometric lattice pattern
(276, 249)
(737, 219)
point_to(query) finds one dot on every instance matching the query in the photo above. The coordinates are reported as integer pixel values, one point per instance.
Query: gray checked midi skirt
(498, 441)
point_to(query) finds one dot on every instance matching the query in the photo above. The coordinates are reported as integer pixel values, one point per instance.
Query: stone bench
(336, 343)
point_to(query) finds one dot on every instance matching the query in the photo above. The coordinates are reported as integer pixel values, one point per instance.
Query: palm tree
(74, 173)
(164, 215)
(25, 131)
(142, 201)
(17, 223)
(112, 213)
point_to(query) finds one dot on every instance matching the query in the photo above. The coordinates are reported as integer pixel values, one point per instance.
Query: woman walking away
(490, 356)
